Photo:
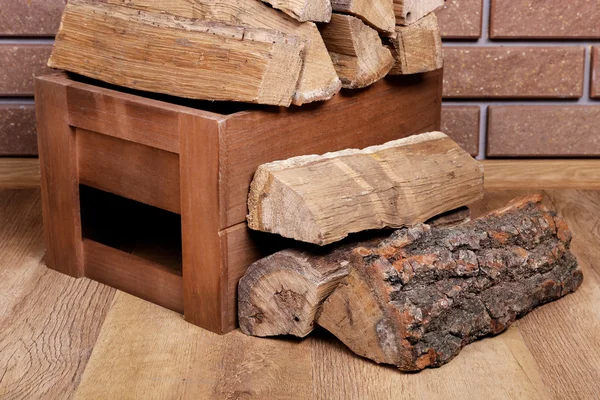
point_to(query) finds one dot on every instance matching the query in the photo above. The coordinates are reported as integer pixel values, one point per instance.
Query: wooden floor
(62, 338)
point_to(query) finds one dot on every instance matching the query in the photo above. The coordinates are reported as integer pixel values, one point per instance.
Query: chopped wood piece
(318, 78)
(322, 199)
(281, 294)
(177, 56)
(424, 293)
(304, 10)
(359, 56)
(410, 11)
(417, 48)
(378, 14)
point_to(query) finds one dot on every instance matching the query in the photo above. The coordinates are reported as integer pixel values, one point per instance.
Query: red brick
(596, 73)
(17, 130)
(461, 123)
(543, 131)
(30, 17)
(513, 72)
(19, 64)
(579, 19)
(461, 19)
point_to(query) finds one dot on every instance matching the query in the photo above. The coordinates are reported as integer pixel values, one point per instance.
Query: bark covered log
(424, 293)
(281, 294)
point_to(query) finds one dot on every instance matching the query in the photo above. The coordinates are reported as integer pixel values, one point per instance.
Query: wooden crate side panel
(124, 116)
(59, 182)
(129, 169)
(134, 275)
(204, 273)
(390, 109)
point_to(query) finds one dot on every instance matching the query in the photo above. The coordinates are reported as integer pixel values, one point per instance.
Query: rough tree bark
(424, 293)
(281, 294)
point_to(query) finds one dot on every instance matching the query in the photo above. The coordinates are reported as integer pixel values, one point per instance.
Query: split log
(322, 199)
(410, 11)
(304, 10)
(282, 294)
(182, 57)
(417, 48)
(359, 56)
(378, 14)
(318, 78)
(423, 294)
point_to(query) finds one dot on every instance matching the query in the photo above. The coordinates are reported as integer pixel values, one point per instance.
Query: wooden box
(195, 160)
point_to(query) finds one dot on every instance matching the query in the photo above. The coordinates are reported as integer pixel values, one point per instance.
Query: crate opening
(130, 226)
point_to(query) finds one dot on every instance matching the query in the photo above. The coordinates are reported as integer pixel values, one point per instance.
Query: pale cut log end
(280, 294)
(305, 10)
(417, 48)
(410, 11)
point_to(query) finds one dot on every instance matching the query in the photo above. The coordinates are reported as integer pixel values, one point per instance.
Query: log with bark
(282, 293)
(183, 57)
(410, 11)
(359, 56)
(304, 10)
(421, 295)
(322, 199)
(417, 48)
(318, 78)
(378, 14)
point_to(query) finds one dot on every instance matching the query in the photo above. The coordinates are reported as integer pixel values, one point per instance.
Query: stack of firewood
(276, 52)
(413, 297)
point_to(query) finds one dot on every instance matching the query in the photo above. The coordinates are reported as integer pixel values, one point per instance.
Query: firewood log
(182, 57)
(378, 14)
(359, 56)
(318, 78)
(281, 294)
(304, 10)
(424, 293)
(410, 11)
(322, 199)
(417, 48)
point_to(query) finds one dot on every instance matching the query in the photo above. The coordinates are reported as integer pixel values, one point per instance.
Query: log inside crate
(356, 50)
(378, 14)
(318, 78)
(304, 10)
(417, 48)
(182, 57)
(417, 298)
(322, 199)
(410, 11)
(281, 294)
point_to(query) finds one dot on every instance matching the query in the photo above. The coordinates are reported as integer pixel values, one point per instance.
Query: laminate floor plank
(49, 322)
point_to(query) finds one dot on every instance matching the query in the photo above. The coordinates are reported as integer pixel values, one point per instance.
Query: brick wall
(26, 31)
(522, 77)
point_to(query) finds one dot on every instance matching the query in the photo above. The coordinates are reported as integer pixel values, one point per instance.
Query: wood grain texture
(144, 279)
(318, 80)
(378, 14)
(358, 55)
(410, 11)
(417, 48)
(204, 271)
(49, 322)
(167, 358)
(19, 173)
(204, 57)
(59, 182)
(304, 10)
(323, 199)
(542, 174)
(145, 351)
(398, 107)
(129, 169)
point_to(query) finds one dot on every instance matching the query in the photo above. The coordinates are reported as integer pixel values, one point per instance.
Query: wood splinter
(424, 293)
